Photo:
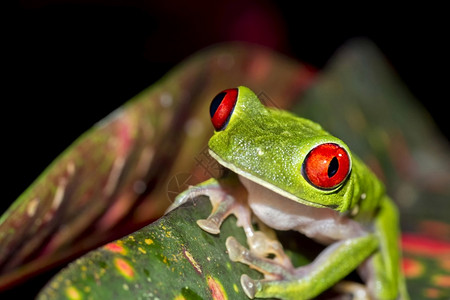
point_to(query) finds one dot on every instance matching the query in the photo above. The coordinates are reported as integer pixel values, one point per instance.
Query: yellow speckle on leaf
(148, 241)
(174, 258)
(235, 288)
(142, 250)
(55, 284)
(73, 294)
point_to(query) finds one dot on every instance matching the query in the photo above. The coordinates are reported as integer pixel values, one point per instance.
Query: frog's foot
(223, 206)
(305, 282)
(260, 244)
(271, 268)
(273, 271)
(263, 246)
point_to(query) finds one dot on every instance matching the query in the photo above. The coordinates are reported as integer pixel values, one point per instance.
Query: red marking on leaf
(114, 247)
(412, 268)
(442, 280)
(124, 135)
(192, 261)
(124, 268)
(432, 293)
(217, 291)
(445, 263)
(424, 245)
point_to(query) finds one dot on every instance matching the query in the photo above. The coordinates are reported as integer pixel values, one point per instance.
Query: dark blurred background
(67, 64)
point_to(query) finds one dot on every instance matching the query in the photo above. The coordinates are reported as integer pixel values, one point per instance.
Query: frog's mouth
(266, 184)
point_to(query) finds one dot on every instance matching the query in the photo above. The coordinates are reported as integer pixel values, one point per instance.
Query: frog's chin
(265, 184)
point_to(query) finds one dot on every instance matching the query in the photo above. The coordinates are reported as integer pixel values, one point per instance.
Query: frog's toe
(222, 208)
(209, 225)
(236, 251)
(269, 267)
(262, 245)
(249, 286)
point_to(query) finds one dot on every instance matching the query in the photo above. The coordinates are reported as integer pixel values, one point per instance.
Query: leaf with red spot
(426, 264)
(114, 178)
(170, 258)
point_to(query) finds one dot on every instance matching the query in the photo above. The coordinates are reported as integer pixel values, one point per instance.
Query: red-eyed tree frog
(293, 175)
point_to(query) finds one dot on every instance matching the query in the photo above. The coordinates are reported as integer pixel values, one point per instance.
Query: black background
(67, 64)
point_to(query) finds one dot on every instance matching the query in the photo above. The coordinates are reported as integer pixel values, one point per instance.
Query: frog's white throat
(322, 224)
(281, 210)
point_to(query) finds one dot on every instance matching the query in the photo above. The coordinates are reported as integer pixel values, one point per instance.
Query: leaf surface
(171, 258)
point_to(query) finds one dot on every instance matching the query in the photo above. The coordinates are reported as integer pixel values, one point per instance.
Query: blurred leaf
(115, 178)
(426, 266)
(359, 98)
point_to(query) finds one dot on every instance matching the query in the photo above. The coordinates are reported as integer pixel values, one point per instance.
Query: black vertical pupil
(215, 103)
(333, 167)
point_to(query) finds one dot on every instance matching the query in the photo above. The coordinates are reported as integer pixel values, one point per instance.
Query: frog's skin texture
(274, 157)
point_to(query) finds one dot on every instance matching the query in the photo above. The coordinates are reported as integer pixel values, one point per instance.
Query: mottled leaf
(170, 259)
(123, 173)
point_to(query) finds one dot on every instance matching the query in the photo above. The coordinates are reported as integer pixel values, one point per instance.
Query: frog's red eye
(222, 107)
(326, 166)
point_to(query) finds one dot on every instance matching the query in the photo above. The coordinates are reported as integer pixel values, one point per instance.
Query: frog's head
(292, 156)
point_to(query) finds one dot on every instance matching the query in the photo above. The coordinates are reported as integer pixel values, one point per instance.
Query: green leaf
(170, 259)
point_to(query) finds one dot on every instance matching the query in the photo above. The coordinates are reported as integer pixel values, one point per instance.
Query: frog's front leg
(382, 270)
(228, 196)
(331, 266)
